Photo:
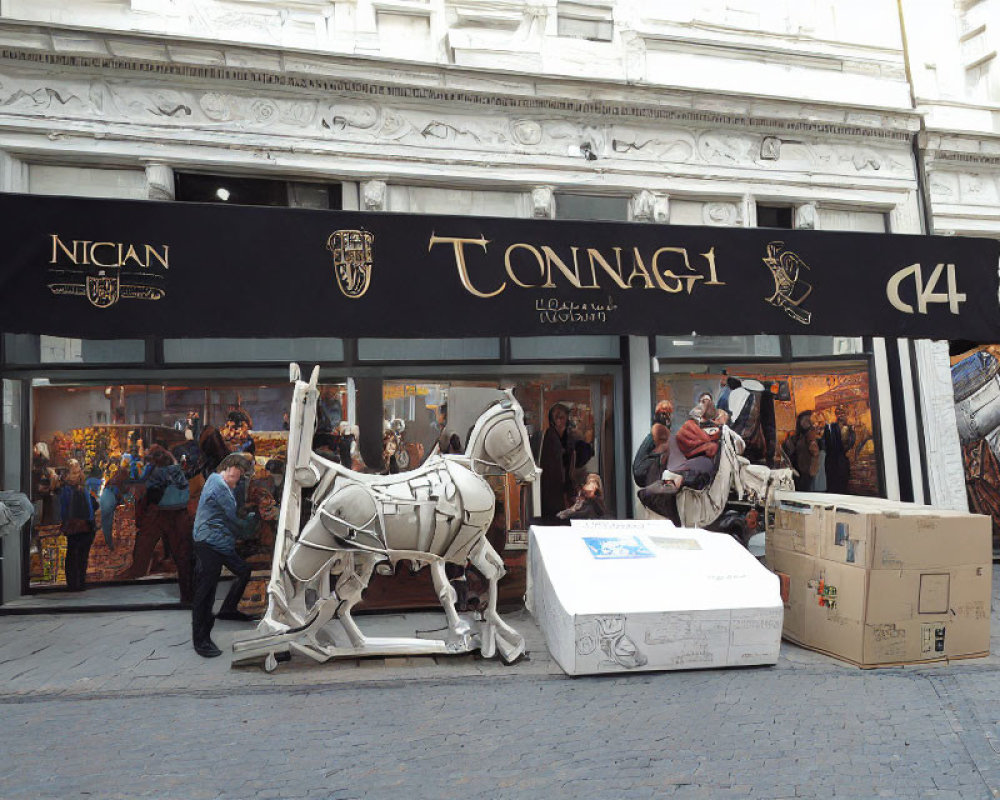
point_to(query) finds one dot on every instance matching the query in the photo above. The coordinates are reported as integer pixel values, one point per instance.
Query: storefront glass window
(11, 435)
(591, 207)
(836, 394)
(563, 347)
(826, 345)
(221, 351)
(420, 417)
(109, 432)
(33, 349)
(701, 346)
(428, 349)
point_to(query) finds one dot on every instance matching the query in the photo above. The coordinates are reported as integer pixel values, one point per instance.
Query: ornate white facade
(694, 112)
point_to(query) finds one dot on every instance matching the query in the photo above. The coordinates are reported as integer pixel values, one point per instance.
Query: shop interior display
(837, 396)
(125, 421)
(431, 516)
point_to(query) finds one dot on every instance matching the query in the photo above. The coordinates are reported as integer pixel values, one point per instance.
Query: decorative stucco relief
(977, 189)
(968, 188)
(726, 214)
(369, 122)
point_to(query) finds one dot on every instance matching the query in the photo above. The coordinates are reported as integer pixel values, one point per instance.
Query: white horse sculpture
(432, 515)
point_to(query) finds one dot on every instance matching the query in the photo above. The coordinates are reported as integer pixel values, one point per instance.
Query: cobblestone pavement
(746, 733)
(118, 706)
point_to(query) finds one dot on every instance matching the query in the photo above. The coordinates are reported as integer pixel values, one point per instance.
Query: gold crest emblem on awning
(103, 289)
(353, 254)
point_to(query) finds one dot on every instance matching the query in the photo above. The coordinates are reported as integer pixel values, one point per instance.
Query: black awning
(118, 268)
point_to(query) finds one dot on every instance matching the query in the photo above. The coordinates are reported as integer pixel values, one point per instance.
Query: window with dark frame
(192, 187)
(774, 216)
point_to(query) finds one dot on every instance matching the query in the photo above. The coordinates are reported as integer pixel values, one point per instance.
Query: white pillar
(945, 470)
(13, 174)
(373, 196)
(640, 411)
(160, 182)
(887, 434)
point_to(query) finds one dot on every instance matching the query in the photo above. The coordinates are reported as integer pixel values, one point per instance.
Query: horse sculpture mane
(436, 514)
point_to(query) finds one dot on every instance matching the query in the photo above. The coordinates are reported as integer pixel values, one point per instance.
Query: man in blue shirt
(216, 529)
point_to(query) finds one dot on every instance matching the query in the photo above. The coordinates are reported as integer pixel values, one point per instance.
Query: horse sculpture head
(499, 441)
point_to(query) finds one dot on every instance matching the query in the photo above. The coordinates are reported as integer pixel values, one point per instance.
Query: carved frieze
(326, 118)
(980, 188)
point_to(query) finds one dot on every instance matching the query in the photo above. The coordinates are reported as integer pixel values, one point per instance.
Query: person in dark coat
(802, 449)
(77, 509)
(556, 460)
(647, 465)
(838, 441)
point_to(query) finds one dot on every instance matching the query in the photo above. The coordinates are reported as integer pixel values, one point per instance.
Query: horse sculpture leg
(352, 582)
(446, 594)
(496, 633)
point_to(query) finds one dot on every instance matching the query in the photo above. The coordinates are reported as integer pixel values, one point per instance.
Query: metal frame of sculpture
(436, 514)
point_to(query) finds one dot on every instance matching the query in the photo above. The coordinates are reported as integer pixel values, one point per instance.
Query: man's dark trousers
(207, 571)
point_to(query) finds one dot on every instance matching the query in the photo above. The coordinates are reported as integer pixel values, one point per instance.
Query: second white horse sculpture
(432, 515)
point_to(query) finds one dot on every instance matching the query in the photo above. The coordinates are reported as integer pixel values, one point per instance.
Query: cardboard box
(881, 583)
(625, 595)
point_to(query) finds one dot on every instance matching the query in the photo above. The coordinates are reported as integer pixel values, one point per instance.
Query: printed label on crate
(607, 547)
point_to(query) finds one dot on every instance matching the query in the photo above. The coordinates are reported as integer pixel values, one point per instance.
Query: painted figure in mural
(162, 515)
(692, 460)
(237, 432)
(431, 516)
(555, 457)
(560, 454)
(45, 485)
(838, 441)
(77, 509)
(448, 441)
(650, 457)
(589, 503)
(217, 526)
(802, 449)
(706, 410)
(390, 452)
(751, 409)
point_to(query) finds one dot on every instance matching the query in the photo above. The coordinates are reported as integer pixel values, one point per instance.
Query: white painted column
(945, 470)
(890, 464)
(13, 174)
(160, 182)
(935, 396)
(640, 381)
(910, 400)
(543, 203)
(374, 196)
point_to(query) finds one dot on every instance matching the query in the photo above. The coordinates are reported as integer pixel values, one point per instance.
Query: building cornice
(136, 56)
(950, 148)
